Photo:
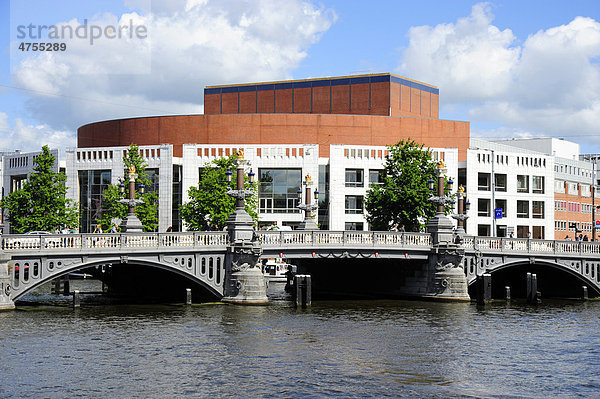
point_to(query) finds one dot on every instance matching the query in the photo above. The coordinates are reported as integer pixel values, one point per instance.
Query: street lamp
(440, 226)
(308, 223)
(463, 207)
(131, 223)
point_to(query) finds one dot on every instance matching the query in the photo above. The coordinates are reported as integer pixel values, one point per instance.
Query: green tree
(403, 196)
(210, 200)
(112, 210)
(41, 204)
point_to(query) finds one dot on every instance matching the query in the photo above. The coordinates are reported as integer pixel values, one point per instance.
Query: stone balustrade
(297, 238)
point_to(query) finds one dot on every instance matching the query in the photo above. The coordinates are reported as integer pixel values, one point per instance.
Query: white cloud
(190, 44)
(547, 86)
(26, 137)
(470, 60)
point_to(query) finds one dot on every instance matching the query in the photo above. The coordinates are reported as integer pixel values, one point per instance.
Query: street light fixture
(308, 223)
(131, 223)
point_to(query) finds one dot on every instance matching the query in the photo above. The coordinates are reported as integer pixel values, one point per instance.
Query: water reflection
(333, 349)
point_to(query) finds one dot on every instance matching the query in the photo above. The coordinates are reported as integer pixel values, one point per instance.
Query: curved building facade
(334, 129)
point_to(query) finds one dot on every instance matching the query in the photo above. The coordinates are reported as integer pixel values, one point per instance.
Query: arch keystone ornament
(6, 303)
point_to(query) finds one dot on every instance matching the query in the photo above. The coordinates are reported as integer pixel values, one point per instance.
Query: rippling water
(334, 349)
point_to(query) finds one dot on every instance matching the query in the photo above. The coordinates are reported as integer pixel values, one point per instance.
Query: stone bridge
(201, 256)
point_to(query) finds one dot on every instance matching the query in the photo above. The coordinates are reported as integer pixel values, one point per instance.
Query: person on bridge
(98, 229)
(206, 226)
(114, 229)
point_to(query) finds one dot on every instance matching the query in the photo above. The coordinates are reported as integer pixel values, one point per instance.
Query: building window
(376, 176)
(559, 186)
(522, 209)
(483, 207)
(324, 196)
(354, 178)
(484, 230)
(92, 184)
(278, 190)
(586, 190)
(537, 184)
(499, 182)
(354, 204)
(176, 198)
(537, 232)
(483, 181)
(501, 204)
(537, 209)
(16, 182)
(353, 226)
(573, 189)
(522, 183)
(522, 231)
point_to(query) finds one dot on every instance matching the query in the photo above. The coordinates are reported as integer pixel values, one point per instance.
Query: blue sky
(511, 68)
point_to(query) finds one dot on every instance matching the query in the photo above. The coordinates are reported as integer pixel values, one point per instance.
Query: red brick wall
(275, 129)
(247, 102)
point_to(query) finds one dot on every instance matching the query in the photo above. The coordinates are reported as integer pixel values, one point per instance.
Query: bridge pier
(6, 303)
(447, 280)
(244, 282)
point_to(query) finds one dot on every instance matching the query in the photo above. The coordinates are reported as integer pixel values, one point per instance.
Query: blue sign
(498, 213)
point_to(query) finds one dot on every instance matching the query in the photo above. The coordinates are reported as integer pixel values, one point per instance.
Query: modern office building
(575, 185)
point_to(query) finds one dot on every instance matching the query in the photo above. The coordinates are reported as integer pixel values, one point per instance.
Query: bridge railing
(494, 244)
(112, 241)
(318, 238)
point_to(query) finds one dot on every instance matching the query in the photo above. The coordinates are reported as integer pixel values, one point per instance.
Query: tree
(210, 202)
(403, 197)
(112, 209)
(40, 205)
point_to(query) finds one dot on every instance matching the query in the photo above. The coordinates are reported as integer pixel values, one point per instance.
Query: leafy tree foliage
(112, 210)
(403, 197)
(210, 202)
(41, 204)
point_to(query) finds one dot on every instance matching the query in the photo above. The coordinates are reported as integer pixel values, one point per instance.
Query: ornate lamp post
(440, 226)
(463, 207)
(131, 224)
(244, 282)
(447, 280)
(309, 222)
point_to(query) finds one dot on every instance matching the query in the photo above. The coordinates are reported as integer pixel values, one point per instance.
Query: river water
(333, 349)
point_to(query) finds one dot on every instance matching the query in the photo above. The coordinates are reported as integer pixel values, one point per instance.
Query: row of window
(355, 177)
(484, 183)
(503, 160)
(576, 207)
(523, 209)
(564, 225)
(572, 170)
(537, 232)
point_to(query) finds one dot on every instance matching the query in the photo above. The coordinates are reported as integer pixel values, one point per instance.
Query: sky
(512, 68)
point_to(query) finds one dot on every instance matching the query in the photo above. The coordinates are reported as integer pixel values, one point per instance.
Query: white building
(342, 180)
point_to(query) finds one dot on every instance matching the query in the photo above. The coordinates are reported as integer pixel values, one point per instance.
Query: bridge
(201, 256)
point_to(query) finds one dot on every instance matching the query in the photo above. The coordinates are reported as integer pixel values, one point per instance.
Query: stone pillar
(244, 281)
(447, 280)
(309, 222)
(131, 223)
(6, 302)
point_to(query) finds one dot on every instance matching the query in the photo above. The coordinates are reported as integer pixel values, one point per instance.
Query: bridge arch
(206, 270)
(562, 278)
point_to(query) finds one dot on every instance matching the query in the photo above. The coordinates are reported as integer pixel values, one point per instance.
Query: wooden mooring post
(302, 282)
(533, 295)
(484, 289)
